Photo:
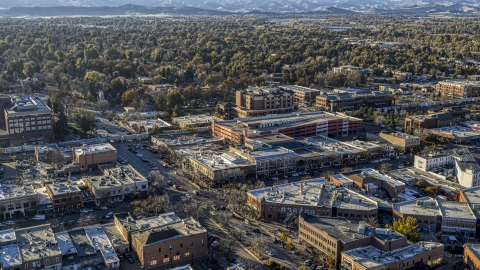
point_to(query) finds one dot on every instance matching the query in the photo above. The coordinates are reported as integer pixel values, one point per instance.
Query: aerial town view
(260, 134)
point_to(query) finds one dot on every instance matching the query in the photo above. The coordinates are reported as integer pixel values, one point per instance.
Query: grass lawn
(199, 110)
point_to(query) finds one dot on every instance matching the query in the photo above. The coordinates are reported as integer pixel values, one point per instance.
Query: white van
(39, 217)
(109, 215)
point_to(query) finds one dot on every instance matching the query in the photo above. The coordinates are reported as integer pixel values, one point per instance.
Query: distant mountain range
(225, 7)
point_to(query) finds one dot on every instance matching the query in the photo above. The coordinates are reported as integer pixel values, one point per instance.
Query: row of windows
(458, 224)
(38, 264)
(17, 206)
(28, 129)
(27, 124)
(17, 120)
(319, 244)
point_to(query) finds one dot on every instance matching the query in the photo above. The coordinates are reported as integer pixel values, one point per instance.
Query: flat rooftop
(188, 140)
(461, 83)
(8, 192)
(114, 234)
(472, 195)
(425, 206)
(94, 148)
(457, 131)
(475, 248)
(297, 88)
(149, 123)
(347, 231)
(343, 179)
(272, 153)
(282, 121)
(23, 106)
(348, 199)
(100, 242)
(371, 257)
(9, 256)
(195, 119)
(401, 135)
(83, 246)
(42, 242)
(226, 160)
(132, 224)
(8, 236)
(312, 192)
(375, 174)
(456, 210)
(177, 229)
(57, 188)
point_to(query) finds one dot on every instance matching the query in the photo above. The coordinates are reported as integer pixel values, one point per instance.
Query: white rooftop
(222, 161)
(373, 173)
(65, 243)
(158, 221)
(457, 131)
(100, 242)
(371, 257)
(456, 211)
(10, 256)
(422, 206)
(312, 192)
(94, 148)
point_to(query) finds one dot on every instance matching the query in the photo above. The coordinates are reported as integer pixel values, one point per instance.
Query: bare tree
(372, 221)
(56, 226)
(103, 106)
(55, 156)
(158, 183)
(87, 219)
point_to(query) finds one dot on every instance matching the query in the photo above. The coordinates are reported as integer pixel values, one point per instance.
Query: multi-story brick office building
(435, 120)
(90, 156)
(64, 195)
(458, 219)
(303, 95)
(350, 100)
(257, 101)
(24, 120)
(459, 89)
(426, 210)
(336, 235)
(303, 124)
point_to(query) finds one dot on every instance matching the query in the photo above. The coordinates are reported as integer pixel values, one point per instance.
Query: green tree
(129, 97)
(408, 227)
(303, 267)
(174, 98)
(85, 120)
(118, 84)
(331, 260)
(90, 54)
(94, 76)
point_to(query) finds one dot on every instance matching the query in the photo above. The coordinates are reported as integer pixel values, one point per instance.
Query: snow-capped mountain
(455, 6)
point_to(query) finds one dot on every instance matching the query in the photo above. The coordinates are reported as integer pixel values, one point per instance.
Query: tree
(408, 227)
(174, 98)
(129, 97)
(55, 156)
(103, 105)
(94, 77)
(283, 237)
(303, 267)
(331, 260)
(56, 226)
(85, 120)
(289, 245)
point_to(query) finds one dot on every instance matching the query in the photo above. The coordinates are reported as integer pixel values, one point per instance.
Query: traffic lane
(136, 163)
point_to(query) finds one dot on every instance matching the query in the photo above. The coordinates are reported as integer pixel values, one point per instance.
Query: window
(33, 204)
(191, 243)
(26, 266)
(165, 260)
(144, 186)
(25, 205)
(154, 262)
(181, 245)
(57, 259)
(170, 247)
(2, 208)
(176, 257)
(47, 261)
(10, 207)
(187, 254)
(148, 252)
(159, 250)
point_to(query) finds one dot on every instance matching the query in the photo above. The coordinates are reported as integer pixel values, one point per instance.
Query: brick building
(64, 195)
(426, 210)
(24, 120)
(40, 252)
(257, 101)
(371, 180)
(413, 256)
(303, 95)
(90, 156)
(458, 89)
(336, 235)
(165, 241)
(350, 101)
(436, 120)
(303, 124)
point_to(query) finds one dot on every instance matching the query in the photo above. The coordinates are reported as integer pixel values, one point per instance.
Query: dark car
(120, 256)
(256, 230)
(60, 214)
(70, 223)
(111, 205)
(170, 183)
(130, 259)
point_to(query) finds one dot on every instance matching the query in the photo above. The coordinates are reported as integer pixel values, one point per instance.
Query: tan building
(437, 120)
(256, 101)
(303, 95)
(90, 156)
(17, 201)
(458, 89)
(403, 141)
(371, 180)
(426, 210)
(471, 255)
(406, 257)
(337, 235)
(64, 195)
(221, 168)
(196, 121)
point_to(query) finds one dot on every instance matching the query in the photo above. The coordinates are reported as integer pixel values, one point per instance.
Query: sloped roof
(156, 235)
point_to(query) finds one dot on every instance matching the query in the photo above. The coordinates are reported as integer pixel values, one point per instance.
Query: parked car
(256, 230)
(109, 215)
(9, 222)
(215, 244)
(269, 253)
(307, 263)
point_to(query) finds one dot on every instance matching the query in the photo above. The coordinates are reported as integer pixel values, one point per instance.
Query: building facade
(17, 201)
(458, 89)
(341, 102)
(256, 101)
(65, 196)
(403, 141)
(90, 156)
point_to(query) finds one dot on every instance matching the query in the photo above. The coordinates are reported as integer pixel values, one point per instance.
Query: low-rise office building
(42, 250)
(404, 142)
(458, 219)
(64, 195)
(194, 121)
(257, 101)
(303, 95)
(351, 101)
(437, 120)
(90, 156)
(372, 258)
(426, 210)
(17, 201)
